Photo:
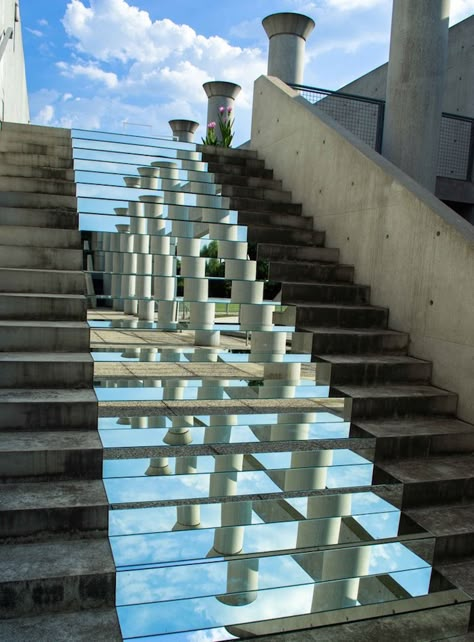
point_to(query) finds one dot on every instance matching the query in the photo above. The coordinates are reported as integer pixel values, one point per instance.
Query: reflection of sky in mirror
(311, 418)
(188, 355)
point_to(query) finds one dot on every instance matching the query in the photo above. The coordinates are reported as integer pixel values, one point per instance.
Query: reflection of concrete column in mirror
(108, 261)
(223, 481)
(219, 430)
(280, 380)
(220, 94)
(188, 517)
(292, 427)
(287, 33)
(179, 434)
(328, 511)
(140, 242)
(242, 582)
(308, 470)
(129, 261)
(341, 570)
(117, 267)
(183, 129)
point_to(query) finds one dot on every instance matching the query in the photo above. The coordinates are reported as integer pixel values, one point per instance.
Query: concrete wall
(415, 253)
(459, 79)
(13, 91)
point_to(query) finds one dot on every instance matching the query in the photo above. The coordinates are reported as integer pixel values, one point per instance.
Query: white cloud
(35, 32)
(90, 71)
(45, 116)
(67, 97)
(460, 9)
(353, 5)
(43, 22)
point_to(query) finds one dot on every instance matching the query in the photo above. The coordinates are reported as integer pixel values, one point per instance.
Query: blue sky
(132, 65)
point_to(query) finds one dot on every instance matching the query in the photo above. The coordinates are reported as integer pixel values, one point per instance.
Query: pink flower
(229, 109)
(221, 110)
(211, 125)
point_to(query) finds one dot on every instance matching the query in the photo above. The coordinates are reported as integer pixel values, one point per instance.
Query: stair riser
(452, 547)
(53, 595)
(247, 181)
(341, 317)
(370, 374)
(51, 464)
(256, 205)
(37, 185)
(424, 494)
(31, 200)
(275, 220)
(36, 160)
(233, 160)
(359, 344)
(30, 282)
(421, 446)
(280, 252)
(45, 173)
(44, 523)
(237, 191)
(46, 339)
(40, 258)
(21, 147)
(37, 309)
(238, 170)
(40, 237)
(402, 407)
(317, 272)
(288, 236)
(65, 220)
(309, 292)
(46, 375)
(53, 415)
(19, 130)
(209, 152)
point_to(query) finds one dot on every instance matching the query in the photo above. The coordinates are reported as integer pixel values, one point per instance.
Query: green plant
(211, 138)
(226, 123)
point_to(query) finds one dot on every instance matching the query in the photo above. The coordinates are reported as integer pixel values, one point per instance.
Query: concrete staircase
(419, 441)
(58, 577)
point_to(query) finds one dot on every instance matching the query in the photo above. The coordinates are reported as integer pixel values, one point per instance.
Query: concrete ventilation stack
(220, 94)
(57, 569)
(183, 130)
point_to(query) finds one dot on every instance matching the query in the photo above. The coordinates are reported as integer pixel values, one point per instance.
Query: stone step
(37, 159)
(260, 205)
(215, 167)
(325, 293)
(45, 147)
(79, 626)
(429, 481)
(284, 236)
(44, 336)
(49, 577)
(40, 201)
(461, 574)
(306, 271)
(224, 158)
(277, 251)
(397, 400)
(44, 281)
(453, 526)
(44, 409)
(40, 237)
(256, 193)
(52, 370)
(44, 509)
(372, 369)
(247, 181)
(338, 315)
(43, 258)
(211, 152)
(356, 340)
(36, 307)
(50, 455)
(28, 171)
(271, 220)
(31, 217)
(31, 131)
(37, 185)
(418, 436)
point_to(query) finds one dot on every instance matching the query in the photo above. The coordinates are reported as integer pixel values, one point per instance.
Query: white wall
(13, 91)
(415, 253)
